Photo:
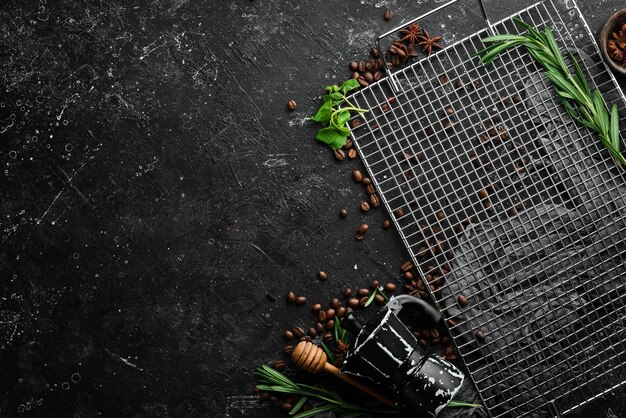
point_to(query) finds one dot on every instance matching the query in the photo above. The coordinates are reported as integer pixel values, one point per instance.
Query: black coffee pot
(386, 353)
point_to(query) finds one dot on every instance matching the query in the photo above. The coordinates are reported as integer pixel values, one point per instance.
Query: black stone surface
(154, 188)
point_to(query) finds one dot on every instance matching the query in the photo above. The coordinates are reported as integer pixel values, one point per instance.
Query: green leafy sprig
(377, 290)
(333, 117)
(584, 106)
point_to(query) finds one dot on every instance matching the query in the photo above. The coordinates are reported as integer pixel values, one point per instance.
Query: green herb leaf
(331, 136)
(615, 126)
(298, 405)
(349, 85)
(323, 113)
(315, 411)
(331, 358)
(459, 404)
(343, 117)
(371, 298)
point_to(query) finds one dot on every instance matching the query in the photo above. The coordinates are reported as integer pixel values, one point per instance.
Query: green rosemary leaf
(459, 404)
(315, 411)
(580, 77)
(615, 127)
(298, 405)
(331, 358)
(495, 51)
(371, 298)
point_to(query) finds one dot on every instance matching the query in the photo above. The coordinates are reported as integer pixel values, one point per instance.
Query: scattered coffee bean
(265, 396)
(355, 123)
(340, 155)
(512, 211)
(443, 78)
(335, 303)
(390, 287)
(408, 275)
(343, 213)
(366, 181)
(330, 325)
(435, 341)
(407, 266)
(361, 67)
(434, 333)
(363, 292)
(270, 297)
(298, 331)
(352, 154)
(347, 292)
(353, 303)
(517, 98)
(375, 200)
(480, 335)
(323, 276)
(458, 84)
(369, 65)
(285, 407)
(356, 75)
(291, 297)
(319, 327)
(385, 108)
(371, 189)
(388, 14)
(316, 307)
(278, 365)
(422, 343)
(305, 338)
(312, 332)
(441, 215)
(273, 399)
(496, 119)
(321, 315)
(483, 194)
(288, 335)
(354, 65)
(363, 301)
(430, 130)
(374, 52)
(341, 311)
(300, 300)
(399, 213)
(364, 206)
(291, 105)
(362, 229)
(462, 300)
(379, 299)
(447, 125)
(362, 81)
(328, 337)
(357, 176)
(374, 284)
(330, 313)
(449, 110)
(378, 75)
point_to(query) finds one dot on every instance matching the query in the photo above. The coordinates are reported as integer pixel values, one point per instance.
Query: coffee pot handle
(413, 307)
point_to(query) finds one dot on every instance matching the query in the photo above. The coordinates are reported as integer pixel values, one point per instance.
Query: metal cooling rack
(429, 168)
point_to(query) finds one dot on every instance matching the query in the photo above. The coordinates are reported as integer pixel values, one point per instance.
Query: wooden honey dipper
(311, 358)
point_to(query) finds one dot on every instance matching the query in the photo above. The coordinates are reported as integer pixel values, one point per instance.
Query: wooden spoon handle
(329, 368)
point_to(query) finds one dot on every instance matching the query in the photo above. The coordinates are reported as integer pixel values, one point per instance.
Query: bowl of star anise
(613, 41)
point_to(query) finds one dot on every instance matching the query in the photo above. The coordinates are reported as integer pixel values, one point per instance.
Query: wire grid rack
(440, 172)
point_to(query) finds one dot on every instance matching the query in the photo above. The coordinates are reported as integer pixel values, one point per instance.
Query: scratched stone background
(154, 188)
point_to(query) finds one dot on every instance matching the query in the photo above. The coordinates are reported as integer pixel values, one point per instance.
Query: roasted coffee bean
(395, 60)
(378, 66)
(353, 303)
(483, 194)
(341, 312)
(291, 297)
(443, 78)
(366, 181)
(390, 287)
(386, 224)
(362, 229)
(441, 216)
(288, 335)
(374, 284)
(328, 337)
(312, 332)
(434, 333)
(363, 300)
(458, 84)
(492, 132)
(371, 189)
(288, 350)
(285, 407)
(357, 176)
(361, 68)
(430, 130)
(423, 343)
(316, 307)
(408, 275)
(330, 313)
(407, 266)
(399, 213)
(347, 292)
(462, 300)
(343, 213)
(379, 299)
(363, 292)
(278, 365)
(517, 98)
(335, 303)
(447, 125)
(385, 108)
(388, 14)
(375, 200)
(378, 75)
(340, 155)
(374, 52)
(265, 396)
(369, 65)
(305, 338)
(364, 206)
(323, 276)
(435, 341)
(480, 335)
(330, 325)
(356, 75)
(369, 77)
(300, 300)
(298, 331)
(321, 315)
(496, 119)
(270, 297)
(291, 105)
(483, 138)
(362, 81)
(512, 211)
(449, 110)
(354, 66)
(352, 154)
(355, 123)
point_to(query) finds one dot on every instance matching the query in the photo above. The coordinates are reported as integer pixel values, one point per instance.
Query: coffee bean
(288, 350)
(355, 123)
(435, 341)
(374, 284)
(441, 216)
(330, 313)
(357, 176)
(371, 189)
(354, 65)
(363, 300)
(430, 130)
(341, 312)
(366, 181)
(363, 292)
(343, 213)
(288, 335)
(291, 105)
(362, 81)
(335, 303)
(390, 287)
(449, 110)
(321, 315)
(352, 154)
(369, 77)
(458, 84)
(386, 224)
(375, 200)
(379, 299)
(265, 396)
(349, 142)
(353, 303)
(298, 332)
(285, 407)
(323, 276)
(483, 138)
(312, 332)
(356, 75)
(364, 206)
(517, 98)
(340, 155)
(385, 108)
(273, 399)
(399, 213)
(434, 333)
(388, 14)
(359, 237)
(369, 65)
(363, 229)
(512, 211)
(480, 335)
(361, 68)
(316, 307)
(305, 338)
(330, 325)
(374, 52)
(443, 78)
(327, 337)
(447, 125)
(492, 132)
(291, 297)
(378, 75)
(407, 265)
(395, 60)
(423, 343)
(300, 300)
(462, 300)
(408, 275)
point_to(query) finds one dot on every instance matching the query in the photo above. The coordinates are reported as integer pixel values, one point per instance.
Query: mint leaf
(343, 117)
(323, 113)
(332, 89)
(332, 137)
(349, 85)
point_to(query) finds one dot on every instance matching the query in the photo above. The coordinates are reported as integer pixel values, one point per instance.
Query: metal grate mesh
(506, 201)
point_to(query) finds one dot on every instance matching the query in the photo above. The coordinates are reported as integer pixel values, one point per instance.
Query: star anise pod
(614, 51)
(411, 33)
(428, 43)
(620, 39)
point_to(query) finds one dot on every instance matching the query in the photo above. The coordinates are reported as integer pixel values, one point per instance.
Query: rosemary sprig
(584, 106)
(377, 290)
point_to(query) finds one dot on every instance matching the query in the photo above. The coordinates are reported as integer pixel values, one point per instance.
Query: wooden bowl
(612, 25)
